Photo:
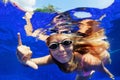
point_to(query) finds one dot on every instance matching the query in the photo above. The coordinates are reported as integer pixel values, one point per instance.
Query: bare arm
(43, 60)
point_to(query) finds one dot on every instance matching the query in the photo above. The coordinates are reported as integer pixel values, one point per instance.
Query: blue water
(11, 22)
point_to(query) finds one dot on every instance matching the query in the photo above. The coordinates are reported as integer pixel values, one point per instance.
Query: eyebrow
(61, 40)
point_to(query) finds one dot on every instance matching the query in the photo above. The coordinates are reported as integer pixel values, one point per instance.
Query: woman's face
(61, 47)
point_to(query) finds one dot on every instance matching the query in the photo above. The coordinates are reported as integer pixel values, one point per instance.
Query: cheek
(54, 53)
(70, 48)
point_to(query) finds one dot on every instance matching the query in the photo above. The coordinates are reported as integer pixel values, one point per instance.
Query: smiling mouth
(64, 55)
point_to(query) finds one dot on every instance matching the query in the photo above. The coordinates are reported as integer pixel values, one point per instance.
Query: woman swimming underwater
(70, 53)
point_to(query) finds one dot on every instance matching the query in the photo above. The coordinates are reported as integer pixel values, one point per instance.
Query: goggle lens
(55, 45)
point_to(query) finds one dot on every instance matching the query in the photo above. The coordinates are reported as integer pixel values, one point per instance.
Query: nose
(61, 48)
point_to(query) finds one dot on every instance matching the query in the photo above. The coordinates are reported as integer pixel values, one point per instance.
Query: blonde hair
(91, 26)
(94, 45)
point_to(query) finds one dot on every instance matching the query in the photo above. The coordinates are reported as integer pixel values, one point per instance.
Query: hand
(24, 54)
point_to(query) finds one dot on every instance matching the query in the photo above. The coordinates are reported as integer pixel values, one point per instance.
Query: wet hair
(94, 45)
(95, 26)
(80, 45)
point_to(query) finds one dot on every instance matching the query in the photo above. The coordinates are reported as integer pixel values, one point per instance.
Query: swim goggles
(55, 45)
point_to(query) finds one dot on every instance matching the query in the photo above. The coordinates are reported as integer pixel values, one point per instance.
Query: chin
(64, 61)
